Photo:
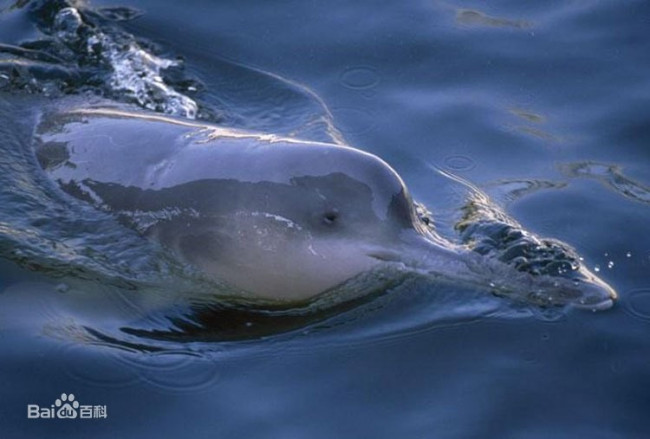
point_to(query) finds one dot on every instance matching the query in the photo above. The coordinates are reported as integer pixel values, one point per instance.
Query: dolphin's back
(85, 150)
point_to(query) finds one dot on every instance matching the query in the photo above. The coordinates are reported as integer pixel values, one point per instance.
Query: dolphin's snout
(446, 261)
(595, 295)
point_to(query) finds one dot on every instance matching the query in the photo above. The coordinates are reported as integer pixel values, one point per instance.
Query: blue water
(544, 106)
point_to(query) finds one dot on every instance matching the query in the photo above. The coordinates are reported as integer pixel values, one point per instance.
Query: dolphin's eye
(330, 217)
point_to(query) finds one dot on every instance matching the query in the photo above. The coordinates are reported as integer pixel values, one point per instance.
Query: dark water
(545, 107)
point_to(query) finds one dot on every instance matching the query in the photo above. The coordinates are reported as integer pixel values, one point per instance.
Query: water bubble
(67, 23)
(610, 264)
(628, 254)
(597, 268)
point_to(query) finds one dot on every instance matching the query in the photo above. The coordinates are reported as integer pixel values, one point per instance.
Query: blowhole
(331, 216)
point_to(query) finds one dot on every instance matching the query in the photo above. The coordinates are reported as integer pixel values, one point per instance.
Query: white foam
(133, 71)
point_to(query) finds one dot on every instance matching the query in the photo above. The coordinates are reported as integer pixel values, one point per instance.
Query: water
(544, 107)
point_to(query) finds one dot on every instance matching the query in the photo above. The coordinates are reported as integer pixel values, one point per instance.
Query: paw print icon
(67, 406)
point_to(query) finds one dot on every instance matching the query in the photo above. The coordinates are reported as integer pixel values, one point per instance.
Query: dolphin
(280, 219)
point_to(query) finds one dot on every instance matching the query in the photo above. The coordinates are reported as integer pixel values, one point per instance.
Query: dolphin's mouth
(596, 306)
(593, 294)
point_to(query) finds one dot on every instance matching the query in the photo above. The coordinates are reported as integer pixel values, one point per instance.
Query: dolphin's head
(335, 213)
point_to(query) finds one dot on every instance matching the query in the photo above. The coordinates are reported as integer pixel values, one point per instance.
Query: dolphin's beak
(596, 294)
(445, 261)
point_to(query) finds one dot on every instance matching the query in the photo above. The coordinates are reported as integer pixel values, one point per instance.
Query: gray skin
(280, 219)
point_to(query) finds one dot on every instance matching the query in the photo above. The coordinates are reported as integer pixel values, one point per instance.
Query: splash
(81, 50)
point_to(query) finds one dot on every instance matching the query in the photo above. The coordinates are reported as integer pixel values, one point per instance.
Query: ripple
(152, 362)
(458, 162)
(179, 372)
(102, 369)
(360, 77)
(548, 315)
(611, 176)
(472, 17)
(170, 371)
(119, 13)
(638, 303)
(529, 356)
(515, 189)
(358, 120)
(616, 366)
(369, 93)
(540, 134)
(528, 116)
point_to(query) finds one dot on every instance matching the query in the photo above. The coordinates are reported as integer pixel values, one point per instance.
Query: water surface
(543, 106)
